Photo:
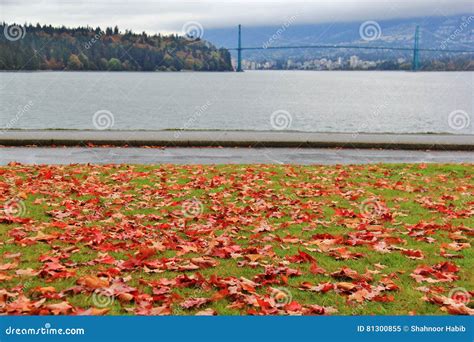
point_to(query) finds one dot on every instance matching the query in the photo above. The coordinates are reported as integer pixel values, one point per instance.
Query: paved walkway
(116, 155)
(237, 139)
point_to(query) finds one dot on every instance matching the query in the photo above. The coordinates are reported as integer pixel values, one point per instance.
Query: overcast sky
(169, 15)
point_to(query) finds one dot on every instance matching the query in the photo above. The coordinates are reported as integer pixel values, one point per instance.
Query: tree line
(36, 47)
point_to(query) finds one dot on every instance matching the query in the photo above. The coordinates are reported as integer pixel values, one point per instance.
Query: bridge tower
(416, 53)
(239, 51)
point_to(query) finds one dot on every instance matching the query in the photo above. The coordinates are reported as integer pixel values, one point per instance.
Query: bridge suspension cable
(415, 49)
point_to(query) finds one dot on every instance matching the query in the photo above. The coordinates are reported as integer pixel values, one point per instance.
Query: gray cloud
(169, 16)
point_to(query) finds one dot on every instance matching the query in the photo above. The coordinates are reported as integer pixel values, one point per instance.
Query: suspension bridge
(416, 49)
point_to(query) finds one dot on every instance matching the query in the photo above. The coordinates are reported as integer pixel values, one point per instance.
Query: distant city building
(354, 62)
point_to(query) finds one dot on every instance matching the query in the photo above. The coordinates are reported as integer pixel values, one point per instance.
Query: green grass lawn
(236, 239)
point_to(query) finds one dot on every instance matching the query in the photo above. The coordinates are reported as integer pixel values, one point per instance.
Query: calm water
(307, 101)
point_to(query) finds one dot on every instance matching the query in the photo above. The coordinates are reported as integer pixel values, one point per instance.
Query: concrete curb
(237, 139)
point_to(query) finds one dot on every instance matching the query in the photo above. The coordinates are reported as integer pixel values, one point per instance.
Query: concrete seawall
(236, 139)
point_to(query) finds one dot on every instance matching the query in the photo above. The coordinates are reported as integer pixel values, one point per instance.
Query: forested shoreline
(36, 47)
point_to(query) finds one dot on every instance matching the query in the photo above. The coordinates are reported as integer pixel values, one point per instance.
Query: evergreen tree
(86, 48)
(74, 63)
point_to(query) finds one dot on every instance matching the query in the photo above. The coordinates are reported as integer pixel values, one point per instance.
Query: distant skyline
(169, 16)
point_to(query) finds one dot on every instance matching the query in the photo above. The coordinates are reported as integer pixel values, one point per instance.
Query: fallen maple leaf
(62, 308)
(192, 303)
(319, 310)
(413, 254)
(450, 305)
(442, 272)
(93, 312)
(315, 269)
(207, 312)
(4, 276)
(323, 287)
(8, 266)
(345, 286)
(301, 257)
(348, 273)
(28, 272)
(92, 282)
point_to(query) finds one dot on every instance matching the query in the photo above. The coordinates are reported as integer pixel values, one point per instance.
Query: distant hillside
(454, 32)
(50, 48)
